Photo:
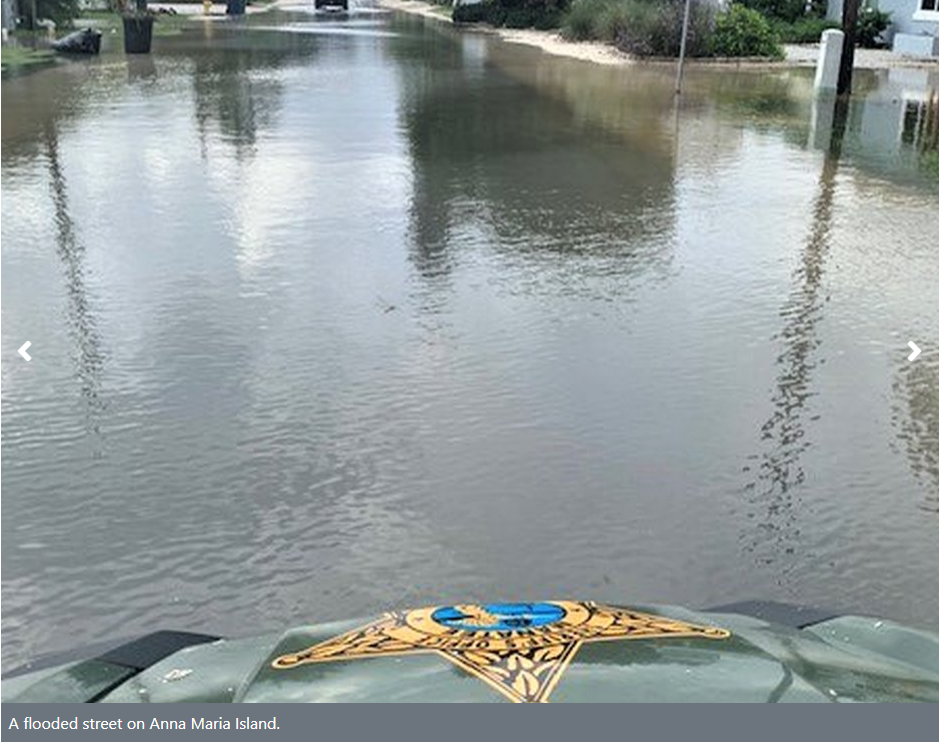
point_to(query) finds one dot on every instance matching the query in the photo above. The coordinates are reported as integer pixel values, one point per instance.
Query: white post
(829, 60)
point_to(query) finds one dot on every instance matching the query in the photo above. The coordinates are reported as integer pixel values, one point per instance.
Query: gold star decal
(519, 649)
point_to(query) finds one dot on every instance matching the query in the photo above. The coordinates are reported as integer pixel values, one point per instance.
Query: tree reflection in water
(237, 81)
(239, 102)
(567, 198)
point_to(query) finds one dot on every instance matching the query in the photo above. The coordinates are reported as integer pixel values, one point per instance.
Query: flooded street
(331, 316)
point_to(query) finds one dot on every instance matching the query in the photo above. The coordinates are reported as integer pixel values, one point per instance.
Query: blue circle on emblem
(498, 616)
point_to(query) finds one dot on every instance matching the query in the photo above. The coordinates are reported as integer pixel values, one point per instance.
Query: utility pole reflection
(82, 324)
(774, 494)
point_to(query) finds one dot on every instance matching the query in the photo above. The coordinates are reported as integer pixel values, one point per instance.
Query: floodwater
(331, 316)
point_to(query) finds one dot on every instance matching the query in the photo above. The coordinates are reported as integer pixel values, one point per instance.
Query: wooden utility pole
(684, 46)
(849, 26)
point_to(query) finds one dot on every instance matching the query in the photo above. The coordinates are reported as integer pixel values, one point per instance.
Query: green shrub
(871, 23)
(645, 31)
(783, 10)
(548, 20)
(653, 29)
(929, 162)
(63, 12)
(496, 15)
(743, 32)
(613, 20)
(519, 18)
(644, 28)
(579, 23)
(476, 13)
(541, 14)
(802, 31)
(599, 20)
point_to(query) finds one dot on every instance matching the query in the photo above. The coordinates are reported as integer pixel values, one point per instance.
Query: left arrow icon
(22, 351)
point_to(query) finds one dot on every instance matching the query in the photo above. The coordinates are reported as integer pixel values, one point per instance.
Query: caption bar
(200, 723)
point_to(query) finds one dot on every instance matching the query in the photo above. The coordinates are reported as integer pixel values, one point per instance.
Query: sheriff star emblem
(519, 649)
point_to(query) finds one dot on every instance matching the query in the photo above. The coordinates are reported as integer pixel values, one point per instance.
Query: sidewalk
(865, 59)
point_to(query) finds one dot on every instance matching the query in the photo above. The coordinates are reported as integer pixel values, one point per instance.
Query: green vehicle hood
(558, 651)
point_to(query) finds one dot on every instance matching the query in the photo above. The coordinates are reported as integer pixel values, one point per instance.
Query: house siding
(901, 17)
(9, 14)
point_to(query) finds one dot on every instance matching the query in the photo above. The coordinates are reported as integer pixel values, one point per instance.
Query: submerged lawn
(16, 58)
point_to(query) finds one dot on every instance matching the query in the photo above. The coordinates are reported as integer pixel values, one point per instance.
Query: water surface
(331, 317)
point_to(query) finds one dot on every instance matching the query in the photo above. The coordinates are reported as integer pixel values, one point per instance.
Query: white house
(8, 16)
(914, 24)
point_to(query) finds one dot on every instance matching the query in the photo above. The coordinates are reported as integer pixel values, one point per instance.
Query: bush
(648, 29)
(547, 20)
(652, 28)
(743, 32)
(63, 12)
(541, 14)
(496, 15)
(783, 10)
(871, 23)
(579, 23)
(519, 18)
(929, 163)
(600, 20)
(476, 13)
(644, 28)
(802, 31)
(613, 21)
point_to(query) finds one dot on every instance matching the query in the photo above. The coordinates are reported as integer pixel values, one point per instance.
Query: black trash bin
(235, 7)
(138, 34)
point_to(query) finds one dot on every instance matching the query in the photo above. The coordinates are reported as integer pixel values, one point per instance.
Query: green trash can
(235, 7)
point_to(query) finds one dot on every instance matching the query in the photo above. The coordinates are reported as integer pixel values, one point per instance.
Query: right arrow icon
(916, 351)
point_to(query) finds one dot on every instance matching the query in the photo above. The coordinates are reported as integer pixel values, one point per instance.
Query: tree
(62, 12)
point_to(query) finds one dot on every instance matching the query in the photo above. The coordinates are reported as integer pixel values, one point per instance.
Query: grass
(164, 25)
(802, 31)
(165, 29)
(929, 162)
(21, 58)
(18, 58)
